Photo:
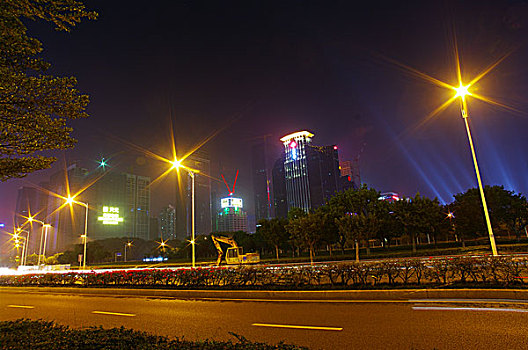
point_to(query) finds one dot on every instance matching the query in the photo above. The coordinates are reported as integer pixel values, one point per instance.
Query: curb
(263, 295)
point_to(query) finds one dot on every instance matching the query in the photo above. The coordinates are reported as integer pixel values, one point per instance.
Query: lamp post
(71, 200)
(461, 92)
(16, 237)
(176, 164)
(23, 258)
(128, 244)
(43, 237)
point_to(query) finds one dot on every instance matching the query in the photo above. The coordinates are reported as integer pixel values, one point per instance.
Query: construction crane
(235, 254)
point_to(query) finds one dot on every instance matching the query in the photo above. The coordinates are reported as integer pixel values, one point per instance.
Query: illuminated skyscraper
(167, 222)
(311, 172)
(119, 206)
(231, 217)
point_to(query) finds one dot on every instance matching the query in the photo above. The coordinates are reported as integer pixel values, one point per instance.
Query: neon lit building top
(231, 202)
(296, 135)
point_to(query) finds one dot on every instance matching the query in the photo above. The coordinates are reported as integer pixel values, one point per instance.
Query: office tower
(311, 172)
(167, 222)
(119, 206)
(261, 179)
(154, 229)
(28, 204)
(198, 161)
(231, 217)
(280, 201)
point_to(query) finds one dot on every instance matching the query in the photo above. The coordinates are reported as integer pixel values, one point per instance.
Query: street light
(16, 237)
(176, 164)
(70, 200)
(25, 248)
(128, 244)
(43, 237)
(461, 92)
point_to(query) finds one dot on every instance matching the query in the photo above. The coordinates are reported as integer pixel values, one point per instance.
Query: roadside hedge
(478, 271)
(27, 334)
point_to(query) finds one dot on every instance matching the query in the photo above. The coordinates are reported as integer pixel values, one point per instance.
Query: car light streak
(439, 308)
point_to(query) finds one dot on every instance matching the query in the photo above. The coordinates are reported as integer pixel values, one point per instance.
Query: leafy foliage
(464, 271)
(27, 334)
(34, 107)
(508, 210)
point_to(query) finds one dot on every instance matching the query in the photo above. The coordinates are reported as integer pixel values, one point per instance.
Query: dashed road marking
(112, 313)
(21, 306)
(318, 328)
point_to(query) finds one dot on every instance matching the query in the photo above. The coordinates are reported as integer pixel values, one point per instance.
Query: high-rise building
(29, 203)
(231, 217)
(167, 222)
(67, 224)
(280, 200)
(345, 167)
(154, 229)
(138, 205)
(350, 170)
(119, 206)
(261, 180)
(202, 194)
(311, 172)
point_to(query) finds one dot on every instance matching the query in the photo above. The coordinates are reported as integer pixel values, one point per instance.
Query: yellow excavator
(235, 254)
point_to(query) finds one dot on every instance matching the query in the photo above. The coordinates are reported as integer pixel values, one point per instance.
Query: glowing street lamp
(162, 245)
(70, 201)
(461, 92)
(16, 236)
(43, 237)
(176, 164)
(129, 245)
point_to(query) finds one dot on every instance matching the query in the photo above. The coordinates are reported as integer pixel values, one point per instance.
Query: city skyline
(282, 73)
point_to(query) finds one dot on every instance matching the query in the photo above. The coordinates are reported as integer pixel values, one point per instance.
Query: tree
(347, 230)
(274, 232)
(34, 107)
(506, 208)
(364, 208)
(306, 231)
(412, 213)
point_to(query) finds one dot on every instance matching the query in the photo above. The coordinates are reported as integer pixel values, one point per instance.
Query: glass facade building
(311, 173)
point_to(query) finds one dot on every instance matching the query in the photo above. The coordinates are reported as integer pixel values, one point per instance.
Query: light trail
(492, 309)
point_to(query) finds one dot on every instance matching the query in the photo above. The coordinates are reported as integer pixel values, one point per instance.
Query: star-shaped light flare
(460, 90)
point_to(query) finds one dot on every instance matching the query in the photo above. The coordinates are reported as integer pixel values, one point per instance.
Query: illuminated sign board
(110, 216)
(231, 202)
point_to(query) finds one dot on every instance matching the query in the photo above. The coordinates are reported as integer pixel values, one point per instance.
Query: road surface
(375, 324)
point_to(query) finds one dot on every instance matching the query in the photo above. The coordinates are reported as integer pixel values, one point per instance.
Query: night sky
(251, 68)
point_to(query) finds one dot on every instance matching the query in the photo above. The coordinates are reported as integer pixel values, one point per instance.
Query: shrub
(26, 334)
(497, 271)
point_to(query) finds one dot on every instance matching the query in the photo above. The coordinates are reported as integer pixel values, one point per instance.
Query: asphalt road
(377, 324)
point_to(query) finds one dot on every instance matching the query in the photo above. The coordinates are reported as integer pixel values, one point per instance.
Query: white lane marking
(319, 328)
(439, 308)
(112, 313)
(21, 306)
